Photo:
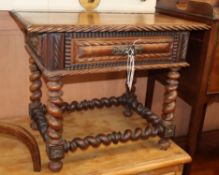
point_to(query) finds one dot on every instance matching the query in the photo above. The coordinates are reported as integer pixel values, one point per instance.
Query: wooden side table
(68, 44)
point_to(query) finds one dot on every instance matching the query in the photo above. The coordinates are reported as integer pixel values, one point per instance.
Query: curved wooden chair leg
(26, 138)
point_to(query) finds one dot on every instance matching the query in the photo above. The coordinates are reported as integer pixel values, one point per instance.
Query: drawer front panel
(105, 49)
(99, 50)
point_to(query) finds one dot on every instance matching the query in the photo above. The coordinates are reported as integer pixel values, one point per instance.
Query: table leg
(195, 130)
(150, 91)
(169, 105)
(128, 108)
(130, 95)
(55, 143)
(35, 89)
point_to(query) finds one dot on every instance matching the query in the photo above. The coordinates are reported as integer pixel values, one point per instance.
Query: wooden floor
(15, 159)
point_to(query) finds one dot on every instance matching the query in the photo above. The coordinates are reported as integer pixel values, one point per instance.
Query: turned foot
(127, 112)
(55, 166)
(164, 144)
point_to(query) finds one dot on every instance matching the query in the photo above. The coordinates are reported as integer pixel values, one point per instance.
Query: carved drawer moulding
(69, 49)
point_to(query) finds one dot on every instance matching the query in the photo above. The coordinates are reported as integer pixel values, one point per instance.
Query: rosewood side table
(68, 44)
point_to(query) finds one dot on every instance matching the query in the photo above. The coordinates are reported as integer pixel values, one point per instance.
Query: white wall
(105, 5)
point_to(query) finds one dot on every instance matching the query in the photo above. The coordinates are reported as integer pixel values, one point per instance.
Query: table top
(44, 21)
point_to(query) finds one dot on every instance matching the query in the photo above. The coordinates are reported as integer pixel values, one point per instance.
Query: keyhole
(91, 1)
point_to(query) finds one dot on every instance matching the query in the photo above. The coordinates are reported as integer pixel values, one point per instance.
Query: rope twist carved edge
(114, 28)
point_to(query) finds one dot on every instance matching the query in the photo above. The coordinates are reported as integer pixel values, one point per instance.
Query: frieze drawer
(100, 50)
(80, 51)
(112, 49)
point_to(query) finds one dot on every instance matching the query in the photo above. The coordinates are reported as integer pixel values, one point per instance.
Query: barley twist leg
(130, 97)
(169, 106)
(55, 143)
(35, 89)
